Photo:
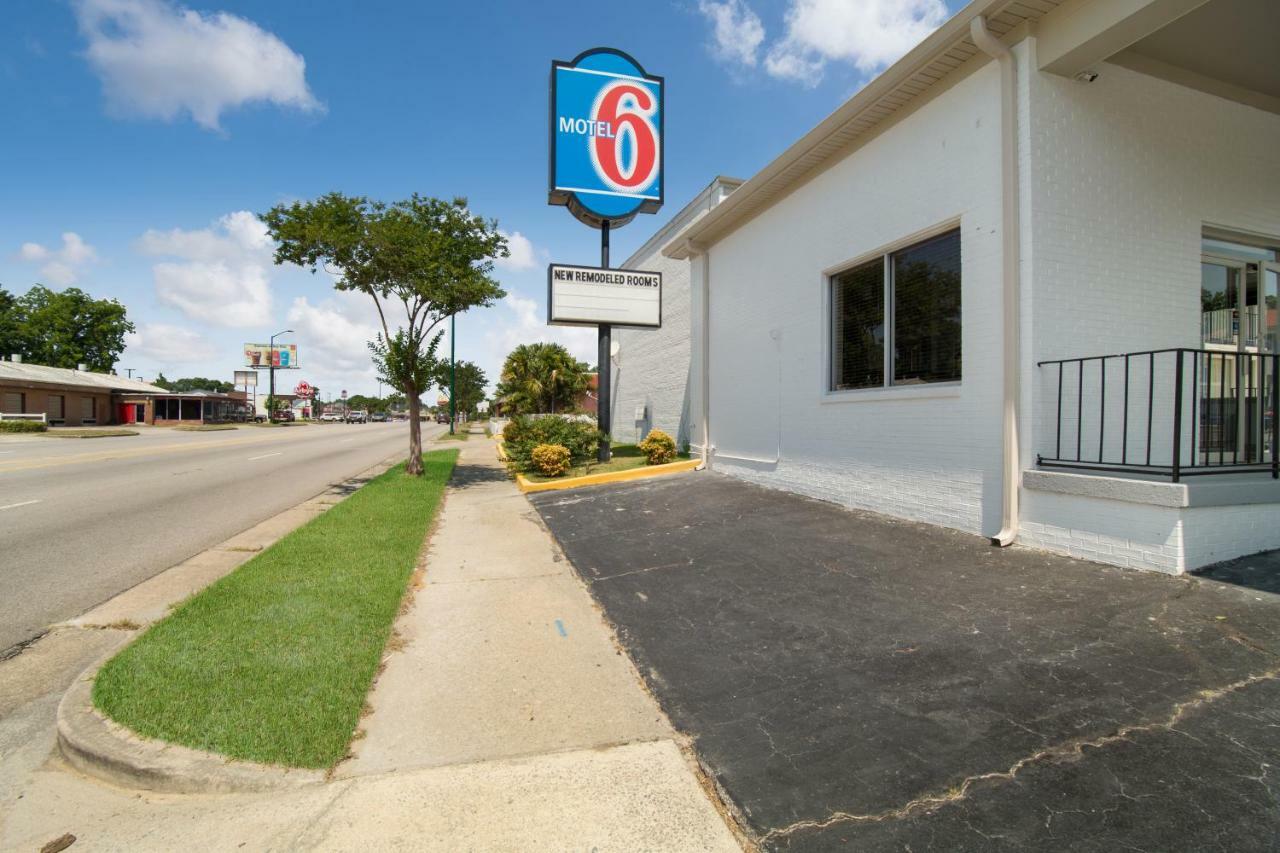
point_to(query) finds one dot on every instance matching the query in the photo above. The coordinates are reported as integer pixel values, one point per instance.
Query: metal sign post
(607, 155)
(603, 356)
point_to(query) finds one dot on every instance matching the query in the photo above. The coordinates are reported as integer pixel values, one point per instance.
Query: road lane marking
(24, 503)
(264, 456)
(134, 452)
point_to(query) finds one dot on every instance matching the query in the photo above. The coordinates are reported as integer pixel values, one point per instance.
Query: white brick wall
(653, 364)
(1124, 174)
(934, 458)
(654, 367)
(1118, 179)
(1139, 536)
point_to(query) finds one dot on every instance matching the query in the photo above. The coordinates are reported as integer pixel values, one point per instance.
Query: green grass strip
(272, 662)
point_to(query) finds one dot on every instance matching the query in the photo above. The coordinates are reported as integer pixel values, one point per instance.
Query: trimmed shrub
(550, 460)
(659, 447)
(524, 433)
(23, 426)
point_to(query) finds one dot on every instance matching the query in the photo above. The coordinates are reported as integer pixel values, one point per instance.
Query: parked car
(379, 417)
(359, 416)
(284, 415)
(330, 417)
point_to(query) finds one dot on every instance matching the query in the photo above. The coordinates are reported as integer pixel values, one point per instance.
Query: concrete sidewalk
(505, 719)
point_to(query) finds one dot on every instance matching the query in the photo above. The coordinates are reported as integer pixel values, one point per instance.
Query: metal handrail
(1229, 405)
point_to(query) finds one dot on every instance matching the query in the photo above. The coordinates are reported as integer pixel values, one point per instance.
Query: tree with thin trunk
(432, 256)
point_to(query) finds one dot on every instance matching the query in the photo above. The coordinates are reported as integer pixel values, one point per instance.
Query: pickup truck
(359, 416)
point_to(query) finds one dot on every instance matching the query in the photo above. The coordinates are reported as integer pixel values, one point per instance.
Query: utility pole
(453, 373)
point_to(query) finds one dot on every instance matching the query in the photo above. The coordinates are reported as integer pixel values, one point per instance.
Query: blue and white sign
(606, 137)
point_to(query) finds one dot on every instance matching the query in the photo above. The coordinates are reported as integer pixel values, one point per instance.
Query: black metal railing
(1174, 412)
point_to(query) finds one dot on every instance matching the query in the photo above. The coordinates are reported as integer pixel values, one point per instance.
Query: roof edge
(923, 54)
(691, 212)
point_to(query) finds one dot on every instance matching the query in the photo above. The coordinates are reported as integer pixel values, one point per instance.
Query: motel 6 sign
(606, 137)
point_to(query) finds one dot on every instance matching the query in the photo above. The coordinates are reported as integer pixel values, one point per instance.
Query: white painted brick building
(1081, 196)
(650, 386)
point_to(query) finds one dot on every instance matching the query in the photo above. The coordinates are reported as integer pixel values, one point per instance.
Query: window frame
(889, 389)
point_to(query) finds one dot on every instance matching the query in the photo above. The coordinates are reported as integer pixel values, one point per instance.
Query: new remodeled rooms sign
(590, 296)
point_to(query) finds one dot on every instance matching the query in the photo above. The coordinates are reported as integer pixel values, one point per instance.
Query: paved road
(81, 520)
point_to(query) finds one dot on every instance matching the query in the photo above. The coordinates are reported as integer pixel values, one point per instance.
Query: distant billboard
(247, 378)
(281, 356)
(593, 295)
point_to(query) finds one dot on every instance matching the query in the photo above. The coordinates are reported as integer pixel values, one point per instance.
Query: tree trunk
(414, 465)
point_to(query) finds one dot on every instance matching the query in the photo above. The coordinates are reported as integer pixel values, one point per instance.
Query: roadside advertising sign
(303, 390)
(590, 296)
(247, 378)
(606, 137)
(281, 356)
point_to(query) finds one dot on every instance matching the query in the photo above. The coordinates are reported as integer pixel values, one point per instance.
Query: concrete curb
(106, 750)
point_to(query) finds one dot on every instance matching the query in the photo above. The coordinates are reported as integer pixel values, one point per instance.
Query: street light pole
(271, 369)
(453, 373)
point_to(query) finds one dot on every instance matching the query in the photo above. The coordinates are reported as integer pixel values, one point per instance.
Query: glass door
(1239, 299)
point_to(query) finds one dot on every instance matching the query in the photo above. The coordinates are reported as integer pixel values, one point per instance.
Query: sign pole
(603, 360)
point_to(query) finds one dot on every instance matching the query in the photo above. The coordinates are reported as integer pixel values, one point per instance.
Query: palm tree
(541, 377)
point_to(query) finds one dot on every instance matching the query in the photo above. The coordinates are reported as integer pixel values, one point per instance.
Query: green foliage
(22, 426)
(550, 460)
(273, 662)
(524, 433)
(432, 256)
(542, 377)
(63, 328)
(658, 447)
(195, 383)
(468, 384)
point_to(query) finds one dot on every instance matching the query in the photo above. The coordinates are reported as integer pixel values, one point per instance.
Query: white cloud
(522, 257)
(333, 340)
(63, 265)
(520, 320)
(163, 344)
(736, 30)
(222, 273)
(868, 34)
(160, 60)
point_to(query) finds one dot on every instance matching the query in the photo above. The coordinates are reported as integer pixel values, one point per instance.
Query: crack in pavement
(1066, 752)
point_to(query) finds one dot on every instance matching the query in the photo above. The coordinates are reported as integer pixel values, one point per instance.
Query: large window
(895, 320)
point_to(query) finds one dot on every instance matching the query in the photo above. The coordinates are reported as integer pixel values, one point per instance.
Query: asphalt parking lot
(855, 682)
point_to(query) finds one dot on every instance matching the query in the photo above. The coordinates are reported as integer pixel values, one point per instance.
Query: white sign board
(590, 296)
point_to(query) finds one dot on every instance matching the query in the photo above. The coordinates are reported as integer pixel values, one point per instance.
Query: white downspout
(704, 390)
(1009, 235)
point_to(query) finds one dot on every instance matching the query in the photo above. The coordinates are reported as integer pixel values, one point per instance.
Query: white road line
(263, 456)
(15, 506)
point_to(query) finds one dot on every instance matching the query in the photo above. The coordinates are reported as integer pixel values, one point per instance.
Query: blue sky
(142, 135)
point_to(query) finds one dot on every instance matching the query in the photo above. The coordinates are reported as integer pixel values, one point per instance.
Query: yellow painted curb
(641, 473)
(502, 450)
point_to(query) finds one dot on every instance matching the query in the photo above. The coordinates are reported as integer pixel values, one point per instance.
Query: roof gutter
(1011, 252)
